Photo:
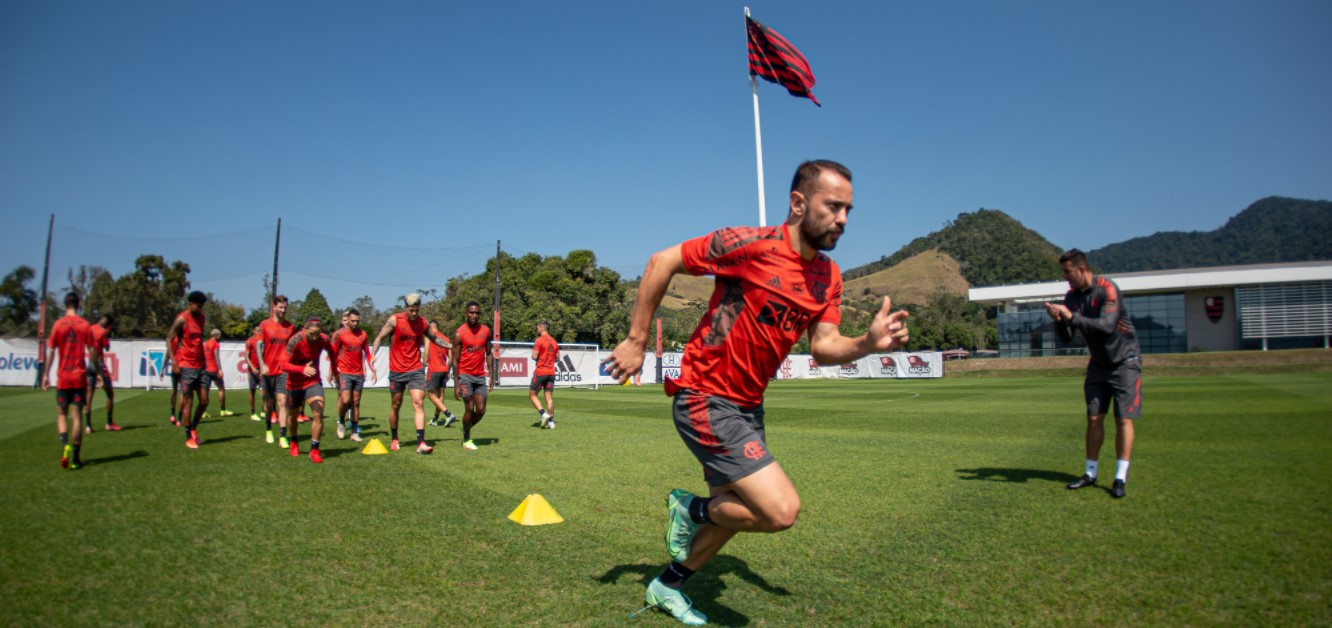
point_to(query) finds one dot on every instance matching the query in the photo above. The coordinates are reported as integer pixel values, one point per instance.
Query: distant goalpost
(579, 365)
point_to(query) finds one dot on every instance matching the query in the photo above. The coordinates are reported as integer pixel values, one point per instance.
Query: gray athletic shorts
(354, 383)
(413, 380)
(473, 385)
(542, 382)
(728, 440)
(253, 379)
(275, 385)
(192, 380)
(1122, 385)
(95, 369)
(436, 381)
(214, 379)
(298, 398)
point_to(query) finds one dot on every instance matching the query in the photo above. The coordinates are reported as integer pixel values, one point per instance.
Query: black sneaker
(1117, 491)
(1082, 482)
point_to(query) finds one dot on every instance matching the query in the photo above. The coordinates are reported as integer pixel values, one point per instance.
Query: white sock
(1091, 468)
(1121, 470)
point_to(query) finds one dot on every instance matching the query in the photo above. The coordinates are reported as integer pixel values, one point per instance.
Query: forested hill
(990, 246)
(1274, 229)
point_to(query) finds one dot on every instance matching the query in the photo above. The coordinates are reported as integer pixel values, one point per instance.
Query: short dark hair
(1078, 258)
(471, 303)
(807, 174)
(351, 311)
(281, 298)
(110, 320)
(72, 300)
(543, 324)
(197, 297)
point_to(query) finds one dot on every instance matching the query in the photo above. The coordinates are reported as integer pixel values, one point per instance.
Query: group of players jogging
(773, 286)
(283, 364)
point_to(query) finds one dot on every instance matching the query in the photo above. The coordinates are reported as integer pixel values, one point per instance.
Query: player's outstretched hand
(889, 330)
(624, 361)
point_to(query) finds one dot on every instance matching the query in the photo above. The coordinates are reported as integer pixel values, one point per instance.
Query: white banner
(576, 366)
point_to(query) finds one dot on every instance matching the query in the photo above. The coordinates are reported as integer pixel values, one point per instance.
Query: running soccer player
(252, 375)
(406, 371)
(772, 285)
(1093, 308)
(301, 365)
(545, 351)
(188, 356)
(213, 371)
(69, 344)
(273, 336)
(99, 342)
(172, 344)
(348, 352)
(471, 357)
(437, 379)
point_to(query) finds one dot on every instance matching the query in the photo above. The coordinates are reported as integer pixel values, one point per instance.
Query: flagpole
(758, 139)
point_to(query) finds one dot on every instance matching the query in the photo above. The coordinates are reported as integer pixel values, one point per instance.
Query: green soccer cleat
(269, 437)
(680, 528)
(66, 456)
(469, 446)
(673, 602)
(282, 442)
(255, 417)
(226, 413)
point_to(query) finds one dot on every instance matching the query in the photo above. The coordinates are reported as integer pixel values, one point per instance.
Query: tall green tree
(148, 298)
(315, 306)
(18, 302)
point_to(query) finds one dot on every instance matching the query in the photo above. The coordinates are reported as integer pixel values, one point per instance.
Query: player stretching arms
(347, 354)
(437, 379)
(545, 351)
(273, 336)
(99, 342)
(188, 356)
(773, 284)
(213, 371)
(471, 356)
(69, 344)
(409, 331)
(301, 365)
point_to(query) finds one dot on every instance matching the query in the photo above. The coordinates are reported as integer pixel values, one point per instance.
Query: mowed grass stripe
(947, 507)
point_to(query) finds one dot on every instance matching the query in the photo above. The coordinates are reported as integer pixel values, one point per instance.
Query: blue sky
(435, 129)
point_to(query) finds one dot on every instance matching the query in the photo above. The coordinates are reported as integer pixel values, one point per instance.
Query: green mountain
(991, 249)
(1274, 229)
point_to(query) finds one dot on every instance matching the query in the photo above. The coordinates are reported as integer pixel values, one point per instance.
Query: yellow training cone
(374, 448)
(535, 511)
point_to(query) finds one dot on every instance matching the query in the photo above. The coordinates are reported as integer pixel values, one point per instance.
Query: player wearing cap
(301, 365)
(471, 355)
(273, 336)
(773, 284)
(348, 352)
(69, 345)
(544, 351)
(99, 342)
(188, 356)
(406, 373)
(213, 371)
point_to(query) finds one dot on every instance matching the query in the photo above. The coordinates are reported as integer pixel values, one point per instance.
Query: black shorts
(192, 380)
(252, 378)
(727, 439)
(1122, 385)
(65, 397)
(95, 369)
(436, 381)
(175, 381)
(473, 385)
(275, 385)
(353, 383)
(412, 380)
(542, 382)
(214, 379)
(298, 398)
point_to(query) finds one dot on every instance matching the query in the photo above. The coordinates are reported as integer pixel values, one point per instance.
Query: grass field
(925, 502)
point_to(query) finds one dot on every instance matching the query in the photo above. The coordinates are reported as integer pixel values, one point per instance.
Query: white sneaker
(356, 437)
(342, 431)
(469, 446)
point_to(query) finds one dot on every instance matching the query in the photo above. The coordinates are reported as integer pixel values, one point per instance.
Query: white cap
(413, 299)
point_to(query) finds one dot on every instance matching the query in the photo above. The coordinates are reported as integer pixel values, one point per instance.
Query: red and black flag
(772, 57)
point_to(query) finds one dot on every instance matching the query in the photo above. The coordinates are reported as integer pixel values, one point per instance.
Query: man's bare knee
(780, 517)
